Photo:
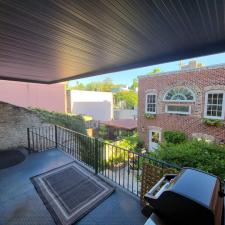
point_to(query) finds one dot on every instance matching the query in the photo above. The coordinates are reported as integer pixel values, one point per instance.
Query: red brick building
(182, 100)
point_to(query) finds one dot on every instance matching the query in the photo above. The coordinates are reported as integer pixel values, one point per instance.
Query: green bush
(69, 121)
(116, 156)
(209, 157)
(175, 137)
(132, 143)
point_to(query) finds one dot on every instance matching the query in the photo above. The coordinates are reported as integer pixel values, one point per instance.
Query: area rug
(70, 192)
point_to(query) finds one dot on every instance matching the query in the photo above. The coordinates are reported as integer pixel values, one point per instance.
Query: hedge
(205, 156)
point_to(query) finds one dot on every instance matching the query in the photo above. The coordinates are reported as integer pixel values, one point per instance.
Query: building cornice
(175, 72)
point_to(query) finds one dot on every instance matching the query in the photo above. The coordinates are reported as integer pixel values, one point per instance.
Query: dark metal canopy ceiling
(48, 41)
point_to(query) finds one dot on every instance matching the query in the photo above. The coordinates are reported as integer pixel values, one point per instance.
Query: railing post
(56, 140)
(28, 139)
(96, 155)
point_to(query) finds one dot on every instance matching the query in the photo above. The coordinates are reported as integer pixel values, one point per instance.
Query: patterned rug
(70, 192)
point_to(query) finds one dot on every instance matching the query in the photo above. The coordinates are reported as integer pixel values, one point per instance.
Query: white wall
(125, 114)
(99, 105)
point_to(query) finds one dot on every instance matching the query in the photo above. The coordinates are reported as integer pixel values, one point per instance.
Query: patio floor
(20, 203)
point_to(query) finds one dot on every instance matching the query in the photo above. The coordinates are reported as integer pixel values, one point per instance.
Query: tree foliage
(106, 85)
(134, 84)
(154, 71)
(129, 98)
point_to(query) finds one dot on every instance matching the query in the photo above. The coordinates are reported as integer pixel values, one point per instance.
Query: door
(154, 139)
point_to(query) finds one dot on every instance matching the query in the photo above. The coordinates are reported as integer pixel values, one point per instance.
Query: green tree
(106, 85)
(134, 84)
(129, 98)
(68, 87)
(94, 86)
(154, 71)
(79, 86)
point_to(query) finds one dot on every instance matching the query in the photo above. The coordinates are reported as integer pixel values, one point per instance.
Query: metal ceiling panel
(48, 41)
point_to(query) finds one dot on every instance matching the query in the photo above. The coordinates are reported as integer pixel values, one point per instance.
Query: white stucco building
(99, 105)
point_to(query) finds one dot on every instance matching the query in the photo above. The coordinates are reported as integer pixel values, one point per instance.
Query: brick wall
(199, 81)
(14, 121)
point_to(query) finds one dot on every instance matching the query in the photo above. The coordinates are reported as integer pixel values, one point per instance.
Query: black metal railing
(121, 166)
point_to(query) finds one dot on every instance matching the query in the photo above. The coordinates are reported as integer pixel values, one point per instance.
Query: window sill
(213, 118)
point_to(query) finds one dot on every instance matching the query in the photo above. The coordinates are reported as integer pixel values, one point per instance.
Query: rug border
(51, 210)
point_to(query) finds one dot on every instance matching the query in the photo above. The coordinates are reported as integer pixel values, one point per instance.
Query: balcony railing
(120, 165)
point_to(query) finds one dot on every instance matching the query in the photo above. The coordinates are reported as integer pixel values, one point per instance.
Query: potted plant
(150, 116)
(213, 122)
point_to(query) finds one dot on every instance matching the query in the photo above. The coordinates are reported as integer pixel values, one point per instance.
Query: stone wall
(14, 122)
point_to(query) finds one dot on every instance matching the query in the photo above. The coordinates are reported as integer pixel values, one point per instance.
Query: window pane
(215, 104)
(209, 112)
(215, 98)
(213, 113)
(214, 107)
(151, 101)
(210, 98)
(220, 95)
(179, 94)
(174, 108)
(220, 101)
(219, 113)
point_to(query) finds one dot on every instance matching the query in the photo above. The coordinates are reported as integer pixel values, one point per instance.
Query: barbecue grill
(192, 197)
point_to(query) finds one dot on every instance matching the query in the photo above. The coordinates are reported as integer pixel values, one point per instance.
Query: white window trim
(165, 100)
(146, 97)
(178, 112)
(191, 101)
(206, 101)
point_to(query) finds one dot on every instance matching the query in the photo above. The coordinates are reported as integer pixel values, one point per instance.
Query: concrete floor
(20, 203)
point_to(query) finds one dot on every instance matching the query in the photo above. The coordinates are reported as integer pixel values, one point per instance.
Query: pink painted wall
(50, 97)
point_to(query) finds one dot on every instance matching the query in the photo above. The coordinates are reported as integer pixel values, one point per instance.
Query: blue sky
(127, 76)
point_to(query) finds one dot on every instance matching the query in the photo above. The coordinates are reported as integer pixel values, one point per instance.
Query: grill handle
(167, 178)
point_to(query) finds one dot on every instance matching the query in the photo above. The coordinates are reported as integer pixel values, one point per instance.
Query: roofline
(191, 53)
(175, 72)
(102, 92)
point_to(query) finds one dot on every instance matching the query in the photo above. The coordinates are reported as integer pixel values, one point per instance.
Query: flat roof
(127, 124)
(49, 41)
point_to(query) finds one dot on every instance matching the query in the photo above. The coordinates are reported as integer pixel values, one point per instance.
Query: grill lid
(195, 185)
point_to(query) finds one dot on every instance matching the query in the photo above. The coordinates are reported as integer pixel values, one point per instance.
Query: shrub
(140, 144)
(209, 157)
(175, 137)
(69, 121)
(103, 131)
(132, 143)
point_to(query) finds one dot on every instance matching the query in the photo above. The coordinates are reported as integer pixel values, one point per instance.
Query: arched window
(179, 94)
